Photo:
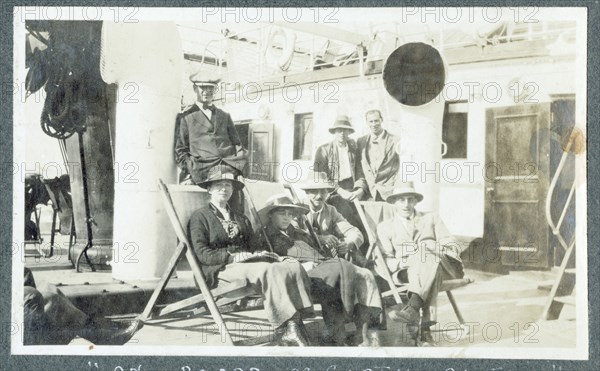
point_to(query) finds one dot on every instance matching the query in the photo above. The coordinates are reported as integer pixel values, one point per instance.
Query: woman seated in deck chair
(419, 245)
(220, 238)
(342, 288)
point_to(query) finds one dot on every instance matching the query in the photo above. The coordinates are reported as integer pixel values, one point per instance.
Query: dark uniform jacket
(201, 144)
(380, 177)
(327, 161)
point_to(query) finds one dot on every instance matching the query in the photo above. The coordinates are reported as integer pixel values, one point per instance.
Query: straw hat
(279, 201)
(316, 180)
(404, 189)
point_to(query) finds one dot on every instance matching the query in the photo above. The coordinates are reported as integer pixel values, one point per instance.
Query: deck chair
(371, 214)
(180, 202)
(37, 243)
(61, 206)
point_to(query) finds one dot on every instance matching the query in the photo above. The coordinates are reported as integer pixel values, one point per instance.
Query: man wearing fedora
(205, 136)
(380, 162)
(340, 161)
(419, 244)
(332, 229)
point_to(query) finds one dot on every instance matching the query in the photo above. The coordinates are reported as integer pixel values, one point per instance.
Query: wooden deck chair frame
(238, 289)
(57, 208)
(397, 290)
(37, 244)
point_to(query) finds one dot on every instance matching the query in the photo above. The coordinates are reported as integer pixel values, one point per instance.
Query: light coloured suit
(380, 177)
(429, 252)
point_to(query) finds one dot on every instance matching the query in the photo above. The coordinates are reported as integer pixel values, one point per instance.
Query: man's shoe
(107, 332)
(331, 341)
(371, 340)
(407, 315)
(293, 335)
(426, 338)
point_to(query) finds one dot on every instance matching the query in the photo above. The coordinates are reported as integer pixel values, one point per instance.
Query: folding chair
(37, 243)
(180, 202)
(371, 214)
(35, 194)
(61, 204)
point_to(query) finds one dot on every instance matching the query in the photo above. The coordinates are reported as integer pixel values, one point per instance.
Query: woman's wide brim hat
(404, 189)
(280, 201)
(218, 175)
(316, 180)
(341, 122)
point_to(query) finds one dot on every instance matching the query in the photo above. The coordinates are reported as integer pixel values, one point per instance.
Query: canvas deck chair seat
(371, 214)
(180, 202)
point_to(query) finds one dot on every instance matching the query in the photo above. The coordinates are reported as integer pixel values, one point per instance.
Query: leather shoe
(107, 332)
(407, 315)
(293, 336)
(427, 338)
(334, 340)
(371, 340)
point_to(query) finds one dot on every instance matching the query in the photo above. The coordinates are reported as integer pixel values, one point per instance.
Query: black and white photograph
(394, 182)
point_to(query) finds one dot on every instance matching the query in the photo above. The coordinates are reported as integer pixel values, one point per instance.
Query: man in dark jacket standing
(340, 160)
(205, 136)
(380, 162)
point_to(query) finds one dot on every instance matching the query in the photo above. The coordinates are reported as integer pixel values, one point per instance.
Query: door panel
(261, 152)
(516, 178)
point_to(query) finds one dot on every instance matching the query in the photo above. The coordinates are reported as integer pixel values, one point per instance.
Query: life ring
(284, 60)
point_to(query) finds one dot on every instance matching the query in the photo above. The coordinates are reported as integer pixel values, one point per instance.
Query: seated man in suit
(420, 244)
(332, 229)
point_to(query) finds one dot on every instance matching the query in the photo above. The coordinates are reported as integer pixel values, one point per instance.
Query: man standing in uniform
(205, 136)
(379, 160)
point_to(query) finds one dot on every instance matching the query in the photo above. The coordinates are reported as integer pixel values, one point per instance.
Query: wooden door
(261, 152)
(516, 173)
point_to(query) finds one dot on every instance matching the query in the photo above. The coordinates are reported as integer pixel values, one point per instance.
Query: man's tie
(410, 227)
(315, 223)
